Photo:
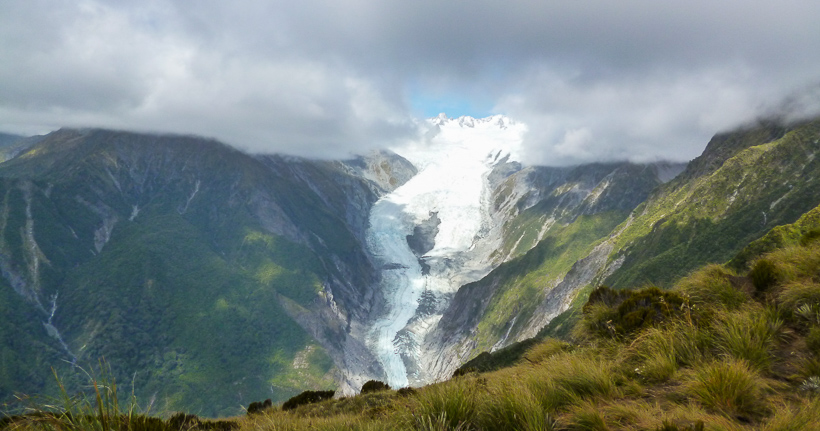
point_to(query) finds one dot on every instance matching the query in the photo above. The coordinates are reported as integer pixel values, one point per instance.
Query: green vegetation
(711, 353)
(160, 256)
(523, 282)
(727, 198)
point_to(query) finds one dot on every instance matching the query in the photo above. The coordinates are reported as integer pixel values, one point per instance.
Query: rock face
(546, 219)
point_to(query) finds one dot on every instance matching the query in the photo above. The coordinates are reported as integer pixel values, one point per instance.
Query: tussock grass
(656, 356)
(454, 403)
(513, 407)
(798, 293)
(808, 367)
(660, 352)
(813, 341)
(587, 417)
(97, 409)
(730, 387)
(751, 335)
(794, 263)
(545, 350)
(582, 377)
(803, 417)
(711, 286)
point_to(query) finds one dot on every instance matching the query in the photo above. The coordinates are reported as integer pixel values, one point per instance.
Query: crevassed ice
(452, 180)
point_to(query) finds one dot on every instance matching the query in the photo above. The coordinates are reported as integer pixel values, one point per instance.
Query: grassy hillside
(521, 284)
(739, 189)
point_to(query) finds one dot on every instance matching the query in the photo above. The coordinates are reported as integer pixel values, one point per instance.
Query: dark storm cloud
(594, 80)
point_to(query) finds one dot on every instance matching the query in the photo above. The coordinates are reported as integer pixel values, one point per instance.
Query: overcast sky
(593, 80)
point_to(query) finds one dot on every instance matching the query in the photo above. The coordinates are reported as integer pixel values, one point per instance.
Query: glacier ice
(453, 165)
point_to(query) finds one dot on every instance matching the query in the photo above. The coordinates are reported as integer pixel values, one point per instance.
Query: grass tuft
(750, 335)
(545, 350)
(803, 417)
(764, 274)
(730, 387)
(513, 407)
(660, 352)
(711, 286)
(453, 403)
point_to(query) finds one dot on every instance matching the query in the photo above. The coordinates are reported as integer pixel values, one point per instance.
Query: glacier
(454, 160)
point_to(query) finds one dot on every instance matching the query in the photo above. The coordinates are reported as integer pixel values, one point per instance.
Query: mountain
(745, 183)
(552, 218)
(208, 278)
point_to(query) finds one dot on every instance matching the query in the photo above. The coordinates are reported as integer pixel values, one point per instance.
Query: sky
(593, 80)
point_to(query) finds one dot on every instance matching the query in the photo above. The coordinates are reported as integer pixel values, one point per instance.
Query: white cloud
(637, 80)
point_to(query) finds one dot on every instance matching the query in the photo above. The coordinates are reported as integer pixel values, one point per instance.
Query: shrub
(811, 385)
(258, 406)
(307, 397)
(606, 295)
(406, 392)
(617, 313)
(764, 275)
(374, 386)
(182, 421)
(809, 237)
(730, 387)
(463, 371)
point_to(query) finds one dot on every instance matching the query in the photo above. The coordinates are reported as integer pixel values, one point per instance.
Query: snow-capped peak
(498, 120)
